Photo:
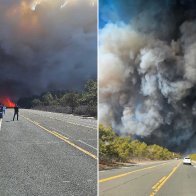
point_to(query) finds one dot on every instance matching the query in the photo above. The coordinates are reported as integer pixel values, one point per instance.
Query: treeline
(81, 103)
(113, 148)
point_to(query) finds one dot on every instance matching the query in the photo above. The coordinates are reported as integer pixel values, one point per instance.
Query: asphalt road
(170, 178)
(48, 154)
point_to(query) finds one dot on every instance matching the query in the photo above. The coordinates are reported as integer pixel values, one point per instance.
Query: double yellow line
(156, 187)
(163, 180)
(62, 137)
(128, 173)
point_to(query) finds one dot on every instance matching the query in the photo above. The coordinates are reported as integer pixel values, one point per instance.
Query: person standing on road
(1, 111)
(4, 108)
(16, 111)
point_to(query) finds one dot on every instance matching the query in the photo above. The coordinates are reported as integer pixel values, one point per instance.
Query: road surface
(48, 154)
(170, 178)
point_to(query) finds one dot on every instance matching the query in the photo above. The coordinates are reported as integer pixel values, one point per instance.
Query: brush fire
(7, 102)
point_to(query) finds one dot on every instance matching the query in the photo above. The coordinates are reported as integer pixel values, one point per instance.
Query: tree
(82, 103)
(71, 100)
(123, 148)
(107, 151)
(89, 97)
(91, 87)
(36, 102)
(47, 98)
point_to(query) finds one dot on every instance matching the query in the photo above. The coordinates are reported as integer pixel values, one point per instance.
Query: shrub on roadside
(193, 157)
(114, 148)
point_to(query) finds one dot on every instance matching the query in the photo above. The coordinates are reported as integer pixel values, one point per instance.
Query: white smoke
(144, 81)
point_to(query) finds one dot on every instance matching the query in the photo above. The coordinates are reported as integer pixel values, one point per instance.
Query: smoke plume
(46, 45)
(147, 74)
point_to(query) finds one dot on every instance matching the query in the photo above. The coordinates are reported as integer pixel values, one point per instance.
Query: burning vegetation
(6, 101)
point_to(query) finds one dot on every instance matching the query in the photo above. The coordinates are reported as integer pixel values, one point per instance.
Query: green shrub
(193, 157)
(114, 148)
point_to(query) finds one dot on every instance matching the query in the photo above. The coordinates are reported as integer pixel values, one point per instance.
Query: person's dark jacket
(16, 109)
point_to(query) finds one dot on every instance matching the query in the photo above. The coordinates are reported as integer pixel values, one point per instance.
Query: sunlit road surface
(48, 154)
(170, 178)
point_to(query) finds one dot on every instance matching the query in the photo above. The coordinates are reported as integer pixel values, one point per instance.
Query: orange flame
(6, 101)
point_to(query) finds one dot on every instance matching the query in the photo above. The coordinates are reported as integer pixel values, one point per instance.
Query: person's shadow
(9, 121)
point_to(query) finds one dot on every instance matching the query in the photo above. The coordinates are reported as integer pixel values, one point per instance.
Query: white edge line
(69, 122)
(0, 123)
(87, 144)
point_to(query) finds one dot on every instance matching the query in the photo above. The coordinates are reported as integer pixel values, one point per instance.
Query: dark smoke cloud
(46, 45)
(147, 74)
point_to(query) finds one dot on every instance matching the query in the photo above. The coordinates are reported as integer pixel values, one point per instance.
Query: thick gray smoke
(46, 45)
(148, 81)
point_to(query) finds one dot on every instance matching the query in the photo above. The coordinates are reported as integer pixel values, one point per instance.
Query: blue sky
(124, 10)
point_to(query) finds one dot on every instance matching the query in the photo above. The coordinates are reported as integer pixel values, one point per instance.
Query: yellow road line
(159, 185)
(56, 133)
(128, 173)
(62, 137)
